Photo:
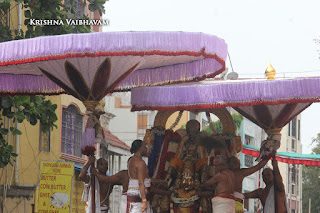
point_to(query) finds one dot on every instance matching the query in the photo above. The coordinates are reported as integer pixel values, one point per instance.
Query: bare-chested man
(240, 174)
(105, 188)
(139, 181)
(223, 200)
(120, 178)
(274, 186)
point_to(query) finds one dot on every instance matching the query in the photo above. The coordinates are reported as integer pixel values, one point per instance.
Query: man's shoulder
(238, 174)
(123, 174)
(140, 162)
(228, 172)
(137, 163)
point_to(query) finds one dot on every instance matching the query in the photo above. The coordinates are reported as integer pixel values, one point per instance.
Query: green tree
(34, 109)
(17, 109)
(46, 10)
(52, 10)
(311, 182)
(237, 118)
(5, 32)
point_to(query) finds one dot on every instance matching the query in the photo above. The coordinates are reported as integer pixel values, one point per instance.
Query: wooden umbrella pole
(93, 195)
(91, 105)
(270, 132)
(275, 193)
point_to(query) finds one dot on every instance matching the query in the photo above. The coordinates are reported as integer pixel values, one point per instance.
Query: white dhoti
(269, 206)
(136, 208)
(239, 201)
(104, 209)
(134, 201)
(86, 196)
(222, 204)
(123, 208)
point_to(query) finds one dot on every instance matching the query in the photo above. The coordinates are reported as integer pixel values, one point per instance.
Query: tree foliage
(17, 109)
(35, 109)
(97, 5)
(46, 10)
(52, 10)
(237, 118)
(311, 182)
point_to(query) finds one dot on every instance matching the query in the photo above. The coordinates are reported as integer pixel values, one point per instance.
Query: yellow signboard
(55, 187)
(78, 206)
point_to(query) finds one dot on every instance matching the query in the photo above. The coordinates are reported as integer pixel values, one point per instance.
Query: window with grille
(294, 127)
(249, 140)
(293, 174)
(293, 187)
(293, 144)
(248, 161)
(299, 130)
(71, 136)
(289, 177)
(76, 7)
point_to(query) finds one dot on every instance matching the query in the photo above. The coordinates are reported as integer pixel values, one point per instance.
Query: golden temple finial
(270, 72)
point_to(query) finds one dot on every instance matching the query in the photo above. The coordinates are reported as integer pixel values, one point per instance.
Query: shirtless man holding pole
(223, 182)
(273, 196)
(240, 174)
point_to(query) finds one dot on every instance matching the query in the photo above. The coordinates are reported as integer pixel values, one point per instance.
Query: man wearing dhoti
(102, 189)
(120, 178)
(240, 174)
(224, 180)
(139, 181)
(274, 190)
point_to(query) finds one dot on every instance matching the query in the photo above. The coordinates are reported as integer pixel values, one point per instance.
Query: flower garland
(176, 163)
(177, 120)
(185, 200)
(200, 163)
(164, 155)
(157, 131)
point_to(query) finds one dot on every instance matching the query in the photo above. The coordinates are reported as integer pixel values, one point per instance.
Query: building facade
(292, 174)
(19, 183)
(251, 134)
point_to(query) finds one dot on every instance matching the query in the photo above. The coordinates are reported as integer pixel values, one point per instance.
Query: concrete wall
(251, 182)
(125, 123)
(286, 146)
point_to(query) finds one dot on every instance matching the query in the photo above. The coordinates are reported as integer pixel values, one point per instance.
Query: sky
(280, 32)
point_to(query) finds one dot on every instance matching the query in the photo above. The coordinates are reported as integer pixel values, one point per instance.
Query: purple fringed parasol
(223, 93)
(89, 66)
(104, 62)
(28, 85)
(271, 104)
